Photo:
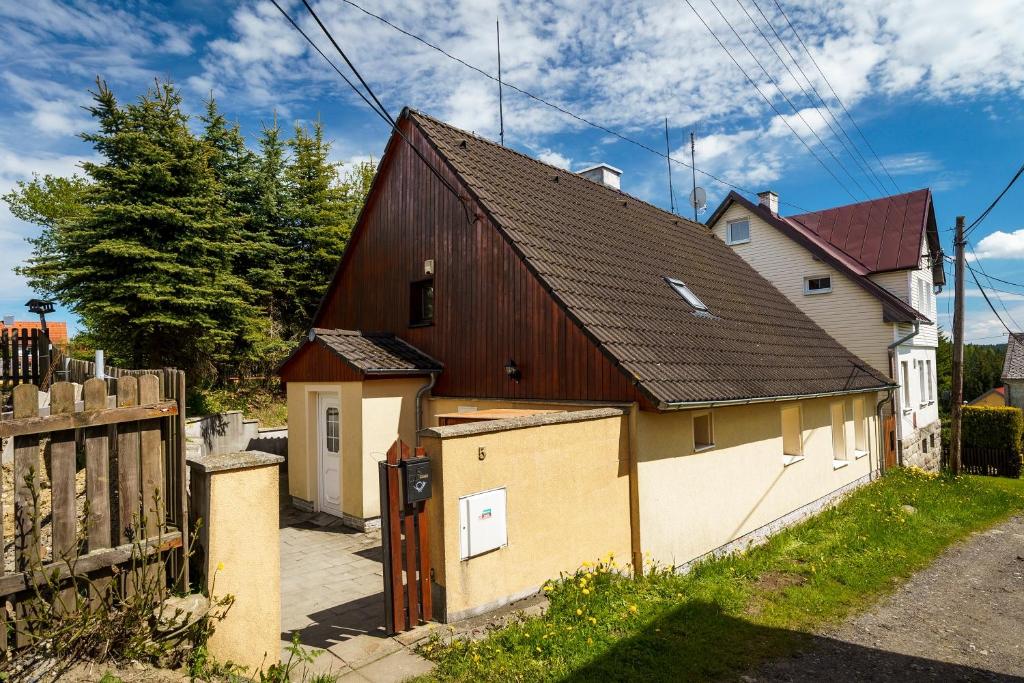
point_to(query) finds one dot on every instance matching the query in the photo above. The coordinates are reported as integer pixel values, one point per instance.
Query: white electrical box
(482, 522)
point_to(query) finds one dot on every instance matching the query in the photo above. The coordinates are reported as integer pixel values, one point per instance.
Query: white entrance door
(329, 438)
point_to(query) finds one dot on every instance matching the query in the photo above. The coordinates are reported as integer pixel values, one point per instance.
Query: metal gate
(404, 489)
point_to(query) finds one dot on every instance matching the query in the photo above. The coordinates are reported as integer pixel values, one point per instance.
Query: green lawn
(728, 614)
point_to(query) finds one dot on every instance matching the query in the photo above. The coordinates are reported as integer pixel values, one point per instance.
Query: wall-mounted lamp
(512, 370)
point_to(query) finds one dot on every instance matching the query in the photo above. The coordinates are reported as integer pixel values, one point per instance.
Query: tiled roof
(376, 353)
(879, 235)
(604, 256)
(58, 330)
(1013, 364)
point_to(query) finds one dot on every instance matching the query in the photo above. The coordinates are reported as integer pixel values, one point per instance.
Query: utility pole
(958, 350)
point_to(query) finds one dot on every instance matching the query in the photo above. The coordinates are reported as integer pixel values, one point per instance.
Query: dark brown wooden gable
(314, 362)
(489, 308)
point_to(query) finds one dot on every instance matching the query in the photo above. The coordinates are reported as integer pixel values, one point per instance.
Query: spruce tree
(147, 262)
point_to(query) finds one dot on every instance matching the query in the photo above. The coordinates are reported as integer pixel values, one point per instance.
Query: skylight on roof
(687, 294)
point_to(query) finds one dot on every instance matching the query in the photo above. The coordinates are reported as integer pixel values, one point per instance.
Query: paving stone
(361, 650)
(398, 666)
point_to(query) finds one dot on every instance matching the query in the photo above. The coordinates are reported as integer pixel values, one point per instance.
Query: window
(685, 292)
(737, 232)
(860, 427)
(703, 431)
(817, 285)
(905, 366)
(838, 432)
(921, 381)
(332, 438)
(421, 302)
(931, 381)
(792, 436)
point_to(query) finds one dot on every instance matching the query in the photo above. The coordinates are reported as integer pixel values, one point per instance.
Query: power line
(792, 106)
(851, 148)
(995, 291)
(765, 97)
(382, 112)
(985, 213)
(989, 302)
(557, 107)
(836, 95)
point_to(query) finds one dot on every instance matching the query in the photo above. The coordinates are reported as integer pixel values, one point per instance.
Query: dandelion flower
(586, 591)
(593, 620)
(590, 641)
(579, 612)
(548, 588)
(633, 609)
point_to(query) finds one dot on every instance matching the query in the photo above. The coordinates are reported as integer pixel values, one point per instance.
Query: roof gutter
(685, 405)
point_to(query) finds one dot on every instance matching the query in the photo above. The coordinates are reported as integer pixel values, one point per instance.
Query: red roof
(58, 330)
(876, 236)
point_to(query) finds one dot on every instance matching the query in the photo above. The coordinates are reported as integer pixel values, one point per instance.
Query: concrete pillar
(235, 495)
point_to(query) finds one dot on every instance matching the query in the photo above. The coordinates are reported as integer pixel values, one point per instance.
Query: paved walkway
(332, 596)
(958, 620)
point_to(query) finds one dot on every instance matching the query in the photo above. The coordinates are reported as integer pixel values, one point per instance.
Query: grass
(728, 614)
(255, 401)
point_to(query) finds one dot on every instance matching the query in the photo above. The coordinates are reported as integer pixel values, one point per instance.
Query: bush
(991, 427)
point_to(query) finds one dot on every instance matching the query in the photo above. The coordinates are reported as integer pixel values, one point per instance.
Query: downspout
(881, 433)
(892, 372)
(419, 403)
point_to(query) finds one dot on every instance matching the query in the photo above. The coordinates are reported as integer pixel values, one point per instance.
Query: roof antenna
(698, 198)
(668, 160)
(501, 104)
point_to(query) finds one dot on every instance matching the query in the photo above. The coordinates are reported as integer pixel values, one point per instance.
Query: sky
(932, 89)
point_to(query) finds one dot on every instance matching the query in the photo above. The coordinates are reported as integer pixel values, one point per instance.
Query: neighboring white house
(868, 274)
(1013, 370)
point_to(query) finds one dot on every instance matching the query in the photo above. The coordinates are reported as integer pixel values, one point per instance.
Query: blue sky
(935, 86)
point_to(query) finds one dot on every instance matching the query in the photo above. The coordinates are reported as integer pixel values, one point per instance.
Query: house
(698, 407)
(867, 273)
(58, 330)
(1013, 370)
(993, 398)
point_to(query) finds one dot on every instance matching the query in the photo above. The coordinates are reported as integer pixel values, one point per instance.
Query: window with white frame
(931, 381)
(921, 382)
(682, 290)
(905, 378)
(818, 285)
(703, 431)
(860, 426)
(737, 232)
(792, 432)
(838, 431)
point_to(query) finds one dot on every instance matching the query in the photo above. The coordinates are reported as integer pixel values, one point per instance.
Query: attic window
(685, 292)
(737, 232)
(421, 303)
(817, 285)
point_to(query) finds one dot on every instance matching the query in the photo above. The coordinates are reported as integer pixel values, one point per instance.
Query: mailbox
(416, 479)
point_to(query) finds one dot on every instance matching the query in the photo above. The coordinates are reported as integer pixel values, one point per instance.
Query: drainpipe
(892, 372)
(881, 432)
(419, 403)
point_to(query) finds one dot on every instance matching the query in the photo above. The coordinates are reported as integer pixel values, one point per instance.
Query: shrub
(993, 427)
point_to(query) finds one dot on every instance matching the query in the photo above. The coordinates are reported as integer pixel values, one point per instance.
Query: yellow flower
(220, 566)
(476, 658)
(593, 620)
(633, 609)
(579, 612)
(548, 588)
(586, 591)
(590, 641)
(589, 576)
(538, 649)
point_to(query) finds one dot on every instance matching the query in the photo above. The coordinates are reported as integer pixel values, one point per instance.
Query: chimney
(604, 174)
(8, 321)
(769, 199)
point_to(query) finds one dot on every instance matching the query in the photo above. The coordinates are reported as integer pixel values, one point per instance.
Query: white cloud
(1001, 245)
(549, 156)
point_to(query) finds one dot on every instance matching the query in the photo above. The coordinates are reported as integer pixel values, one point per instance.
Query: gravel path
(961, 619)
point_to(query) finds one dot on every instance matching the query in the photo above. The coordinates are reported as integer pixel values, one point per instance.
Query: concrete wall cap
(541, 420)
(240, 460)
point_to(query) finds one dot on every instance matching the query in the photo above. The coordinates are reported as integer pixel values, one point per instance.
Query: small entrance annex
(350, 396)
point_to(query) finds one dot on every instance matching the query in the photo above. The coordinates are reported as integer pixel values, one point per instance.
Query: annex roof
(608, 259)
(371, 353)
(1013, 364)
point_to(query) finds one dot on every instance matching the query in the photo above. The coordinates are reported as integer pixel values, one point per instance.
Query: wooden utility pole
(958, 350)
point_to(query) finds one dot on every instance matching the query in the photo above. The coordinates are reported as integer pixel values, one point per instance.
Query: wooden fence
(130, 464)
(24, 357)
(993, 462)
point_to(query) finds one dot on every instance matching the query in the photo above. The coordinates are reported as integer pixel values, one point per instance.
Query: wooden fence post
(62, 487)
(128, 463)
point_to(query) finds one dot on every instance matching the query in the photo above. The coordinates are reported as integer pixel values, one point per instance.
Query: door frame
(323, 399)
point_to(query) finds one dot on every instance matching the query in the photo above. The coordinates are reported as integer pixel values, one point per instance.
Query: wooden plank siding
(488, 306)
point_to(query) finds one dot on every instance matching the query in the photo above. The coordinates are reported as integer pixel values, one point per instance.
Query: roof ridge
(861, 203)
(566, 172)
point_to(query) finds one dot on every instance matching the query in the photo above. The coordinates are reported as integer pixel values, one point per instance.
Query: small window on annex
(838, 431)
(421, 302)
(737, 232)
(860, 426)
(333, 436)
(792, 432)
(703, 431)
(817, 285)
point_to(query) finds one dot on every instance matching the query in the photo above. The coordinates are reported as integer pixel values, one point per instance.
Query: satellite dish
(699, 198)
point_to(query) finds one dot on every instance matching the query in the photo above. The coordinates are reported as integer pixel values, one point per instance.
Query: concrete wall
(848, 313)
(373, 414)
(230, 432)
(692, 503)
(236, 496)
(567, 502)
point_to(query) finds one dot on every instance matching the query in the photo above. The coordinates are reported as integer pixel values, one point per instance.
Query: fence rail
(132, 453)
(991, 462)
